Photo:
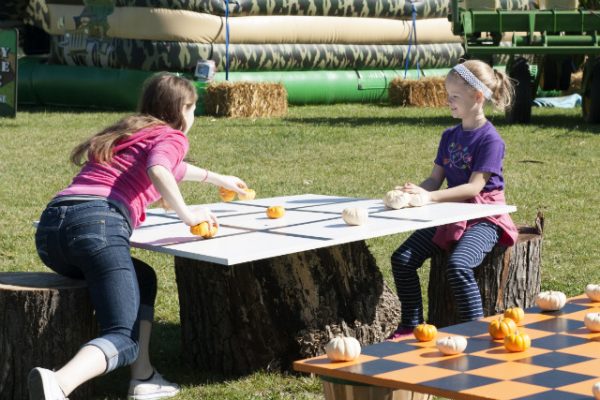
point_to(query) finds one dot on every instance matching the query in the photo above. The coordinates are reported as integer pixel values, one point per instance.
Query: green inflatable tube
(327, 87)
(91, 87)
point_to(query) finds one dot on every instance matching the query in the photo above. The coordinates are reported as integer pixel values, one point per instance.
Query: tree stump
(507, 277)
(266, 314)
(45, 319)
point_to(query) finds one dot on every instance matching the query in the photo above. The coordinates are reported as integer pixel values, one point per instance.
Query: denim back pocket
(87, 237)
(41, 242)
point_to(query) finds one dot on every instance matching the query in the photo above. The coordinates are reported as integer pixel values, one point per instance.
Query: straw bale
(246, 99)
(558, 4)
(424, 92)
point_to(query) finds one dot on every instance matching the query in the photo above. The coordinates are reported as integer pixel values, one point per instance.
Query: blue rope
(412, 36)
(226, 40)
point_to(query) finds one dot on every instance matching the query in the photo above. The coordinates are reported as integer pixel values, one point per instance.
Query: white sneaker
(155, 388)
(43, 385)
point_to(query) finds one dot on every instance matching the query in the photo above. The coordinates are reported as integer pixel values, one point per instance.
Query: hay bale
(246, 99)
(424, 92)
(558, 4)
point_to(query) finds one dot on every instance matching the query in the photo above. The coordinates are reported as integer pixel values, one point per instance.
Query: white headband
(472, 80)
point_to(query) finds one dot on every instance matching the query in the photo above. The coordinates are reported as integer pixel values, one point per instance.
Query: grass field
(552, 165)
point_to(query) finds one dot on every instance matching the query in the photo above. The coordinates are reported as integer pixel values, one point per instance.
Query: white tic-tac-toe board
(310, 222)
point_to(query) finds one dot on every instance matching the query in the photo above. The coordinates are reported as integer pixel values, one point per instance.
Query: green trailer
(546, 47)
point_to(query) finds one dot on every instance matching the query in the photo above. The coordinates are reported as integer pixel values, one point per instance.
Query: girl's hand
(411, 188)
(233, 183)
(420, 199)
(202, 214)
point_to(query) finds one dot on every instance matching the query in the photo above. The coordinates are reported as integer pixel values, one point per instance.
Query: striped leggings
(469, 252)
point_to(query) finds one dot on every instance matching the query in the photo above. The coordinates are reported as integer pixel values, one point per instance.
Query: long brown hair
(163, 98)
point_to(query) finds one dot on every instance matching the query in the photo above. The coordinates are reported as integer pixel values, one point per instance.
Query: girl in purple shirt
(469, 158)
(84, 234)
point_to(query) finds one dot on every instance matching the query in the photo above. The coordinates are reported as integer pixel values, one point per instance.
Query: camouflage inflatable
(183, 56)
(401, 9)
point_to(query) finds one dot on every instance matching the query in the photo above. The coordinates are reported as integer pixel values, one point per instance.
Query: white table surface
(310, 222)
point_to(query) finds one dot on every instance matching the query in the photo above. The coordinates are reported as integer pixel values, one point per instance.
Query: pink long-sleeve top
(126, 179)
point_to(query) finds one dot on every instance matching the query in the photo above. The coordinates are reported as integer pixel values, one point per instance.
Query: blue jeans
(89, 239)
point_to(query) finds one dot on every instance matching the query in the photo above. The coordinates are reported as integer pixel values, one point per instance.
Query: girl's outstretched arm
(230, 182)
(164, 181)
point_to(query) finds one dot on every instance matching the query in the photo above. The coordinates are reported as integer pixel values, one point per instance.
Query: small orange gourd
(516, 314)
(226, 194)
(204, 230)
(425, 332)
(502, 327)
(275, 212)
(517, 342)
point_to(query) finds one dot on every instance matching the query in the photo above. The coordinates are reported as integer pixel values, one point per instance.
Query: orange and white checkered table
(563, 362)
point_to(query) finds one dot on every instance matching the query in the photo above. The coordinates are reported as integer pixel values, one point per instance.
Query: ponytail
(504, 91)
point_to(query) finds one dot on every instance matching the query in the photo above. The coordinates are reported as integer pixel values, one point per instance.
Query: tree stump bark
(44, 320)
(507, 277)
(268, 313)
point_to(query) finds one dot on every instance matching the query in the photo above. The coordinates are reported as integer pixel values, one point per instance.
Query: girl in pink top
(84, 234)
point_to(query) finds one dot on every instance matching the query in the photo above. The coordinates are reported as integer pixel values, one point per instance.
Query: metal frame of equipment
(546, 47)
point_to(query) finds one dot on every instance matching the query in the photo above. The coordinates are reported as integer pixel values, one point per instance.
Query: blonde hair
(163, 98)
(499, 83)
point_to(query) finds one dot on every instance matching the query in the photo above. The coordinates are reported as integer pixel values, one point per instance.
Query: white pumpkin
(418, 199)
(593, 292)
(342, 348)
(551, 300)
(396, 199)
(592, 321)
(451, 344)
(596, 390)
(355, 215)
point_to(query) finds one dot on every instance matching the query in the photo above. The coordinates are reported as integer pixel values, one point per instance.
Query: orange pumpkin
(501, 327)
(517, 342)
(275, 212)
(204, 230)
(516, 314)
(425, 332)
(226, 194)
(250, 195)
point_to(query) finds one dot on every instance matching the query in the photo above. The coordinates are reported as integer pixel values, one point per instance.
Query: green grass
(552, 165)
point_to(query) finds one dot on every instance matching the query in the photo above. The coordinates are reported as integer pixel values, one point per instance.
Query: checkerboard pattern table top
(310, 222)
(563, 362)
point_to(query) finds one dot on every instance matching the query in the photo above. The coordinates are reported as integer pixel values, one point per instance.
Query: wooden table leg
(268, 313)
(336, 389)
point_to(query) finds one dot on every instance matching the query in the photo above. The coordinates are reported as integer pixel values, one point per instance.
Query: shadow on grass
(369, 121)
(165, 353)
(571, 123)
(568, 122)
(53, 109)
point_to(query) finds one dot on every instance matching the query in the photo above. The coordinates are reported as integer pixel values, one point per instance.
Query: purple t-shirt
(462, 152)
